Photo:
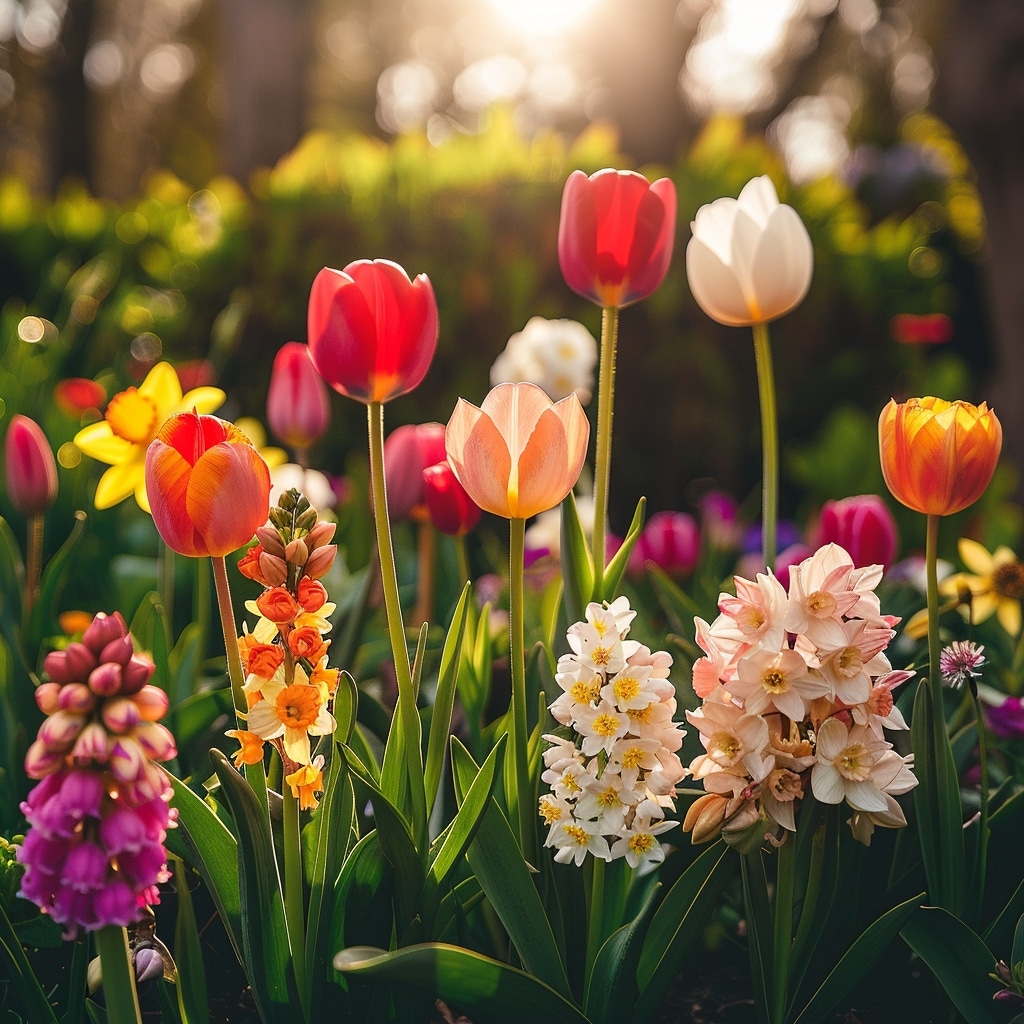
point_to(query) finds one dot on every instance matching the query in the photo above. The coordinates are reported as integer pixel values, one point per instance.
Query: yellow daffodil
(132, 420)
(995, 581)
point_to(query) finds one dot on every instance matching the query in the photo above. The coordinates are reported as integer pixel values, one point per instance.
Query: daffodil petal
(202, 400)
(117, 483)
(99, 442)
(975, 557)
(162, 387)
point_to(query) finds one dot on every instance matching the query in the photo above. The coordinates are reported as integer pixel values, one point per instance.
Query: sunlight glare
(542, 18)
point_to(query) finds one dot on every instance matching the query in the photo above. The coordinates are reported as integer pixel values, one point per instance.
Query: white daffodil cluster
(613, 777)
(797, 694)
(556, 355)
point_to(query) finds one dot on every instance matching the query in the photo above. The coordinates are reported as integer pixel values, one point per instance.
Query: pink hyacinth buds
(863, 526)
(298, 404)
(671, 540)
(408, 451)
(30, 470)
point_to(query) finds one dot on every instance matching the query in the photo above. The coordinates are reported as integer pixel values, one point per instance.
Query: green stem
(294, 895)
(595, 916)
(517, 664)
(979, 874)
(118, 976)
(33, 559)
(934, 643)
(426, 565)
(462, 556)
(165, 581)
(408, 716)
(782, 922)
(228, 628)
(603, 451)
(769, 444)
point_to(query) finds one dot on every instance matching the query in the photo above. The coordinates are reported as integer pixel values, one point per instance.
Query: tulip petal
(714, 286)
(227, 492)
(514, 409)
(783, 263)
(167, 473)
(543, 477)
(759, 199)
(479, 457)
(713, 226)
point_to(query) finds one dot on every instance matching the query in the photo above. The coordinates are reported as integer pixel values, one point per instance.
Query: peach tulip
(209, 490)
(937, 456)
(519, 454)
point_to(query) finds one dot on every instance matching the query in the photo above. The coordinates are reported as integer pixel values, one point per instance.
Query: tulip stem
(33, 559)
(517, 665)
(119, 992)
(408, 716)
(603, 451)
(769, 443)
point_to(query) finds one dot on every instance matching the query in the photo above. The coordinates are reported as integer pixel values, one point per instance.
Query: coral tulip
(298, 406)
(937, 456)
(208, 487)
(615, 235)
(863, 526)
(518, 454)
(407, 452)
(30, 470)
(750, 259)
(372, 331)
(451, 509)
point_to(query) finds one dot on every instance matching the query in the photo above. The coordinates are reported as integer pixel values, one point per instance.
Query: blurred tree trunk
(265, 51)
(981, 96)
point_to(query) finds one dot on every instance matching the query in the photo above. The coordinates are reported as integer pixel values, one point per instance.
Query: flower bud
(298, 406)
(102, 630)
(407, 452)
(41, 759)
(274, 570)
(55, 665)
(270, 540)
(120, 714)
(60, 729)
(77, 698)
(80, 661)
(671, 540)
(105, 679)
(48, 697)
(119, 651)
(320, 561)
(92, 744)
(861, 525)
(296, 552)
(31, 471)
(136, 674)
(452, 510)
(321, 534)
(156, 741)
(152, 703)
(705, 817)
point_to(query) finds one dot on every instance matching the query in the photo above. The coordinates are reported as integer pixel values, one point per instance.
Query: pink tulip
(298, 406)
(408, 451)
(671, 540)
(31, 471)
(863, 525)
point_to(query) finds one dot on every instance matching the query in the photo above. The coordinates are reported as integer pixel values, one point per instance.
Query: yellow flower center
(570, 783)
(299, 705)
(641, 716)
(1008, 581)
(609, 798)
(133, 416)
(724, 745)
(606, 725)
(854, 762)
(774, 680)
(821, 604)
(549, 811)
(641, 842)
(849, 662)
(601, 656)
(584, 692)
(632, 758)
(626, 688)
(581, 837)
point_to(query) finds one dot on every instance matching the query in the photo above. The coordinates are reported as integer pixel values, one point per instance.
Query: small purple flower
(961, 662)
(1006, 720)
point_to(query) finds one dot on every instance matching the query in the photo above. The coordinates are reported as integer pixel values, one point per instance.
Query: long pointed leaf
(54, 577)
(193, 1004)
(19, 971)
(857, 960)
(617, 565)
(485, 989)
(577, 562)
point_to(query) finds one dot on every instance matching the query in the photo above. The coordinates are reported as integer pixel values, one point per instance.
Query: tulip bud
(136, 674)
(31, 471)
(407, 452)
(451, 509)
(103, 630)
(863, 526)
(298, 406)
(105, 679)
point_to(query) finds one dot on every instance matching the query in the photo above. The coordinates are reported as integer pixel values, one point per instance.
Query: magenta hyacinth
(94, 853)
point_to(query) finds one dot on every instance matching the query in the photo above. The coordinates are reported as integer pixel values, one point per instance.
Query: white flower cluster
(616, 775)
(556, 355)
(797, 692)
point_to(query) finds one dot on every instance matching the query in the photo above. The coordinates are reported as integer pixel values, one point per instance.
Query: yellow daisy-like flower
(995, 581)
(133, 418)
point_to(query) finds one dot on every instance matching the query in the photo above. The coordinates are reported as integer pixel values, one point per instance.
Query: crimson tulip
(30, 470)
(615, 235)
(861, 525)
(298, 406)
(408, 451)
(671, 540)
(208, 487)
(372, 331)
(451, 509)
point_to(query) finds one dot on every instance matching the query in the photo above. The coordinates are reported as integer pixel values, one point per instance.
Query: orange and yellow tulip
(937, 456)
(519, 454)
(209, 490)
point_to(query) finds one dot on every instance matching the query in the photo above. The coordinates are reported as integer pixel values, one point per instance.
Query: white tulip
(750, 259)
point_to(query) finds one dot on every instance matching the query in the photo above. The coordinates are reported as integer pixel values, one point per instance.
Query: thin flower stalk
(769, 443)
(603, 450)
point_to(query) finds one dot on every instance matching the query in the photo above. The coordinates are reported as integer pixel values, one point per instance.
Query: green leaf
(483, 988)
(958, 958)
(679, 607)
(463, 828)
(202, 840)
(150, 630)
(184, 664)
(193, 1004)
(678, 923)
(12, 575)
(362, 896)
(495, 859)
(857, 960)
(577, 562)
(264, 934)
(55, 575)
(194, 716)
(612, 992)
(19, 972)
(444, 700)
(617, 565)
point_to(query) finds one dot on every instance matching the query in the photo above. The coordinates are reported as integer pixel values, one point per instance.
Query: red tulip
(863, 526)
(75, 396)
(208, 488)
(31, 471)
(407, 452)
(298, 406)
(615, 235)
(451, 509)
(372, 331)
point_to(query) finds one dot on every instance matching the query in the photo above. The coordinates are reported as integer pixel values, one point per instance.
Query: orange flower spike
(264, 659)
(937, 456)
(519, 454)
(208, 488)
(251, 750)
(278, 605)
(306, 642)
(312, 594)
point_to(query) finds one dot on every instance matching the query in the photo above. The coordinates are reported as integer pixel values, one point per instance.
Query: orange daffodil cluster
(613, 777)
(289, 686)
(797, 695)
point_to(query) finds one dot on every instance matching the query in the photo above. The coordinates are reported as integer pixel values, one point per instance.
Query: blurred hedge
(222, 274)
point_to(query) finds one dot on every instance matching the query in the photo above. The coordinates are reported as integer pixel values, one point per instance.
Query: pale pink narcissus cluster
(797, 696)
(614, 776)
(289, 686)
(94, 853)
